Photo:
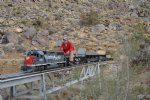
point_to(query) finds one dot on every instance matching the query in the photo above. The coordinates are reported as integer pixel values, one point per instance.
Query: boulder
(39, 40)
(140, 97)
(64, 32)
(35, 43)
(132, 7)
(52, 30)
(75, 22)
(113, 5)
(114, 26)
(11, 22)
(30, 32)
(3, 39)
(98, 28)
(44, 33)
(18, 30)
(20, 48)
(9, 48)
(134, 14)
(10, 37)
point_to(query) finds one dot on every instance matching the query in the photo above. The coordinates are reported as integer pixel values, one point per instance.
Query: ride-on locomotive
(39, 60)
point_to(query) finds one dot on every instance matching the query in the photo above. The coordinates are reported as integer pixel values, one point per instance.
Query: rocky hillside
(119, 27)
(93, 24)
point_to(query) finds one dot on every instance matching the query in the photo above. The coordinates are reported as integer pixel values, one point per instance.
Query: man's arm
(71, 47)
(61, 47)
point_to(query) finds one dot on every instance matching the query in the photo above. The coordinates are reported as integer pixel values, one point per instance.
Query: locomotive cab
(37, 56)
(33, 59)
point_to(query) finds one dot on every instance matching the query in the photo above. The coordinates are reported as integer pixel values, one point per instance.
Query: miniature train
(39, 60)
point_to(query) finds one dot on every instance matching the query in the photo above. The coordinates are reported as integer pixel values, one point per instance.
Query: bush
(88, 19)
(139, 43)
(37, 23)
(139, 32)
(138, 89)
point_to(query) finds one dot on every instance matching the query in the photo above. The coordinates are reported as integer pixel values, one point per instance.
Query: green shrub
(138, 90)
(17, 11)
(88, 19)
(26, 22)
(139, 41)
(138, 33)
(39, 23)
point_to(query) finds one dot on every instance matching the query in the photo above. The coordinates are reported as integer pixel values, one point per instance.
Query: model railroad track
(56, 69)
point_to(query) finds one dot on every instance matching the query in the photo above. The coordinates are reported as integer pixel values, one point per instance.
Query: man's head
(65, 39)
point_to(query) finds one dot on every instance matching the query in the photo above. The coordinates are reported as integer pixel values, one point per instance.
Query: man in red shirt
(67, 47)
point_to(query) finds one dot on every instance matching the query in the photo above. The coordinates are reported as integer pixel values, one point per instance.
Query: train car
(38, 60)
(82, 56)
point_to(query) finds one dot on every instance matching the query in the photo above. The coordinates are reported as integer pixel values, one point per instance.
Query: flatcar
(39, 60)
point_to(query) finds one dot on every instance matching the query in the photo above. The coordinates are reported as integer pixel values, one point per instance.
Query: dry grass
(9, 66)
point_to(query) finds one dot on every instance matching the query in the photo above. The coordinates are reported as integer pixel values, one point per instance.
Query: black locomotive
(38, 60)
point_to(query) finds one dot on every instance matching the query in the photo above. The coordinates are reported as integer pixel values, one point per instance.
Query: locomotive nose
(28, 60)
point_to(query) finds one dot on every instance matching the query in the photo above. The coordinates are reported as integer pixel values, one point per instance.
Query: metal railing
(49, 81)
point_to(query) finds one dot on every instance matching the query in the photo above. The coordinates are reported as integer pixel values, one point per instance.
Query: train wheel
(45, 67)
(64, 65)
(34, 69)
(41, 68)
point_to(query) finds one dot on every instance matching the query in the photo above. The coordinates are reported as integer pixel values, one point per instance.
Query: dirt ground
(8, 66)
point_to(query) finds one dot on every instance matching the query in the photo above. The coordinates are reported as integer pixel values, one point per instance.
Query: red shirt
(67, 47)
